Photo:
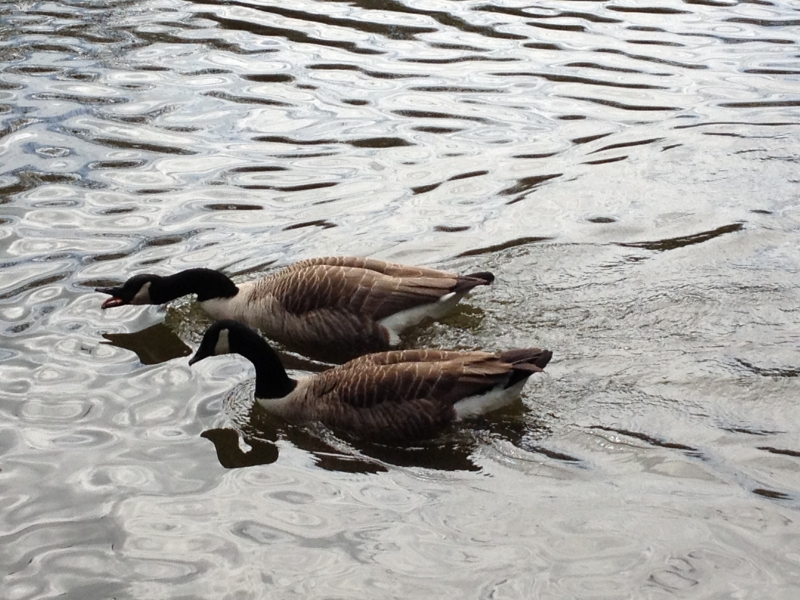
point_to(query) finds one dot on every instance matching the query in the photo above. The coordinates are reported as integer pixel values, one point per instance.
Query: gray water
(628, 170)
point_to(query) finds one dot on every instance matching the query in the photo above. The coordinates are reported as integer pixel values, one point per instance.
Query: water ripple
(626, 170)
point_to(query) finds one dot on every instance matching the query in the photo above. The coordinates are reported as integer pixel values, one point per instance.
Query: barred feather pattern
(402, 395)
(336, 303)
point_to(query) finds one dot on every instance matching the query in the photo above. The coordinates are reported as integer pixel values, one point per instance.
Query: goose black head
(217, 339)
(137, 290)
(231, 337)
(155, 289)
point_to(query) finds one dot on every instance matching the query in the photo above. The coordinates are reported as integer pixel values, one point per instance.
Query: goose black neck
(272, 381)
(206, 283)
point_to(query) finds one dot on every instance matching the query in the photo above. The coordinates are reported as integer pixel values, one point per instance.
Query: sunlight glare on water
(628, 171)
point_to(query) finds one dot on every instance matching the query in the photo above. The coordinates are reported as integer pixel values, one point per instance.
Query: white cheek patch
(222, 346)
(143, 295)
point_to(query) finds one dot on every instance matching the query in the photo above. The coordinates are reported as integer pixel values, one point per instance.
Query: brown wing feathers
(367, 286)
(371, 264)
(412, 356)
(387, 403)
(411, 393)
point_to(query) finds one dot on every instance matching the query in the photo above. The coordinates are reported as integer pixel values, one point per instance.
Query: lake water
(628, 170)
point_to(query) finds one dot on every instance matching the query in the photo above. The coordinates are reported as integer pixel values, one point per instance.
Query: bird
(395, 396)
(327, 307)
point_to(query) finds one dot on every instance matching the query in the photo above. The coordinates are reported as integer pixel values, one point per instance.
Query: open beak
(113, 301)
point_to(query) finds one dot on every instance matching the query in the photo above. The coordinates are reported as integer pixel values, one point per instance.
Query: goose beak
(114, 300)
(198, 356)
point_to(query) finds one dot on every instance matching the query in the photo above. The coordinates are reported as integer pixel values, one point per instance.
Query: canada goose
(331, 306)
(388, 396)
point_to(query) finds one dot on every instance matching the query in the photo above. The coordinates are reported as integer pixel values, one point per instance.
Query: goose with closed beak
(331, 306)
(388, 396)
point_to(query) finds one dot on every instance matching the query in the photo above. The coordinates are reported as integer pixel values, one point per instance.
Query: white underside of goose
(400, 321)
(497, 397)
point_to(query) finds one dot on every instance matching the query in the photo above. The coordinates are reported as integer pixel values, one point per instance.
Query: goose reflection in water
(336, 455)
(154, 345)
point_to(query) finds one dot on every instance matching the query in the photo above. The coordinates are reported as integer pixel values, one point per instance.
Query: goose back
(374, 288)
(410, 394)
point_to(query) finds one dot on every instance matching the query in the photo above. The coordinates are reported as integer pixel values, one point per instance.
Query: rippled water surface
(628, 170)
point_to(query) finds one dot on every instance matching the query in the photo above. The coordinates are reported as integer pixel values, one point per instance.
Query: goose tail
(485, 276)
(465, 283)
(525, 362)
